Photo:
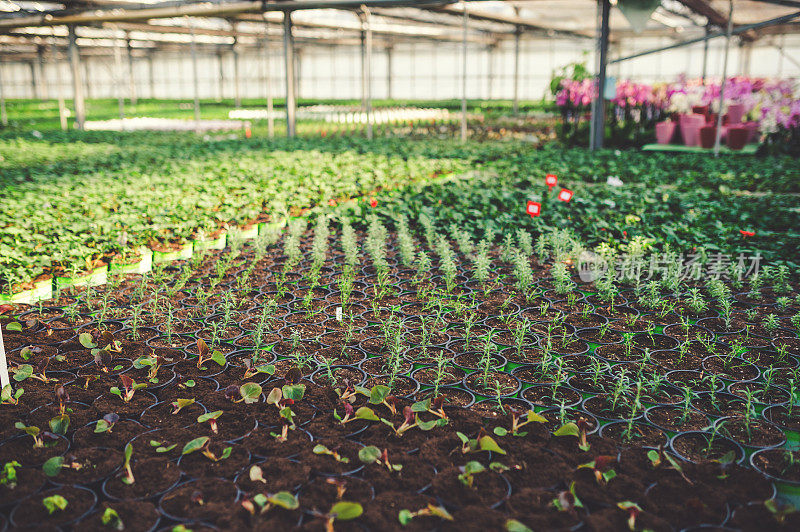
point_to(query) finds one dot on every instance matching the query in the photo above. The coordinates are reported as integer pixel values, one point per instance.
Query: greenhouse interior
(386, 265)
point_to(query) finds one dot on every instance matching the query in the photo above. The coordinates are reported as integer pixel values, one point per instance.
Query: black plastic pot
(448, 392)
(20, 515)
(569, 397)
(778, 439)
(513, 389)
(170, 503)
(320, 376)
(719, 446)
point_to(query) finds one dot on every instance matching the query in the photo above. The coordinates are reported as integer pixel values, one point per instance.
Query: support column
(87, 74)
(389, 50)
(746, 52)
(42, 77)
(77, 81)
(131, 78)
(490, 70)
(724, 76)
(298, 72)
(288, 57)
(62, 108)
(221, 78)
(366, 68)
(268, 77)
(151, 75)
(464, 73)
(705, 55)
(3, 112)
(599, 108)
(237, 101)
(118, 81)
(35, 90)
(413, 80)
(195, 80)
(515, 101)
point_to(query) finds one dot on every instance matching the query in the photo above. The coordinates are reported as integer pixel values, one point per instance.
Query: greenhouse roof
(165, 24)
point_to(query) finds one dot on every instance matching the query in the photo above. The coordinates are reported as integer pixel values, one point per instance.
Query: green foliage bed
(69, 197)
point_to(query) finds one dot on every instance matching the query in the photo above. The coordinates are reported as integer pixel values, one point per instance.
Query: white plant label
(338, 313)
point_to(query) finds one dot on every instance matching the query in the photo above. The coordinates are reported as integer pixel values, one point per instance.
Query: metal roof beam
(737, 31)
(524, 24)
(714, 17)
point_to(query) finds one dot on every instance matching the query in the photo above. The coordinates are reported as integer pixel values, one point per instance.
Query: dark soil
(526, 476)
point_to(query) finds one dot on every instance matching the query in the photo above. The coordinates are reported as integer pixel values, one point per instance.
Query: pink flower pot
(752, 131)
(737, 136)
(690, 128)
(665, 131)
(735, 113)
(708, 136)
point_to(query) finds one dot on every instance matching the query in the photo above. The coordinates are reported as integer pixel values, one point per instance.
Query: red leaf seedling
(633, 510)
(747, 233)
(601, 467)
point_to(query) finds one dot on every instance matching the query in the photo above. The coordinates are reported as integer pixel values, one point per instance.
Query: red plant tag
(747, 233)
(565, 195)
(534, 208)
(551, 180)
(248, 133)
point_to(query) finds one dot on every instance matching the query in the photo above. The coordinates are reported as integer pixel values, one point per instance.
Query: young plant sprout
(55, 503)
(322, 450)
(422, 265)
(602, 468)
(411, 420)
(659, 457)
(406, 516)
(106, 423)
(283, 398)
(180, 404)
(482, 442)
(405, 242)
(129, 388)
(202, 444)
(40, 438)
(523, 274)
(8, 475)
(577, 429)
(486, 359)
(153, 362)
(211, 418)
(340, 511)
(567, 500)
(561, 279)
(204, 354)
(481, 262)
(446, 263)
(102, 348)
(516, 415)
(468, 472)
(291, 244)
(128, 478)
(262, 503)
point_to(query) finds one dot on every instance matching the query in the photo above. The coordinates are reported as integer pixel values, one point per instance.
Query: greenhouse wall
(419, 71)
